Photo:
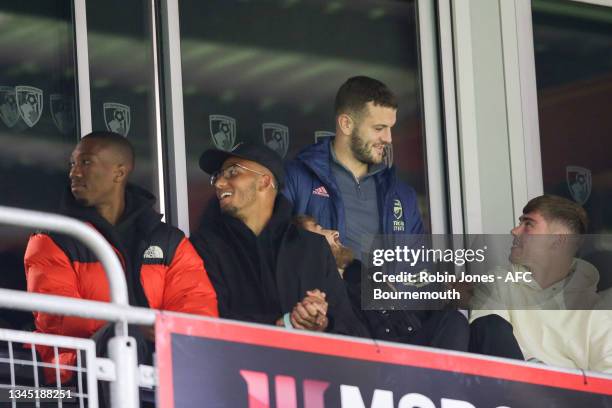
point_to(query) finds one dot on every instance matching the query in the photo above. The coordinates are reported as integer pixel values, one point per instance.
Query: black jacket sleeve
(342, 319)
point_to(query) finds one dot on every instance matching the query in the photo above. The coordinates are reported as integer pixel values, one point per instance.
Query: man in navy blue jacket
(345, 182)
(346, 185)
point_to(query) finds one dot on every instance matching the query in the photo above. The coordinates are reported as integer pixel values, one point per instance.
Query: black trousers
(445, 329)
(493, 335)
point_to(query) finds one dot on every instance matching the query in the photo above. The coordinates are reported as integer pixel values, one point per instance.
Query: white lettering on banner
(453, 403)
(313, 391)
(414, 400)
(350, 397)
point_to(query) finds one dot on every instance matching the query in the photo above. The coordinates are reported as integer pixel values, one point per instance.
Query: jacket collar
(582, 277)
(138, 210)
(318, 158)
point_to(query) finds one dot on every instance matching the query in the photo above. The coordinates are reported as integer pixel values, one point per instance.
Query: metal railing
(20, 380)
(122, 351)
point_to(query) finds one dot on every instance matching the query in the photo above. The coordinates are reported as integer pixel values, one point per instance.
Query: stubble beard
(249, 198)
(361, 151)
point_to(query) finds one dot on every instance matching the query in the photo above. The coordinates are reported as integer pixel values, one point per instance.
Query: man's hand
(316, 298)
(311, 312)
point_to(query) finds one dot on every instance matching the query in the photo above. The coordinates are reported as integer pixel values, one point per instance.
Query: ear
(345, 124)
(120, 173)
(265, 181)
(559, 241)
(562, 242)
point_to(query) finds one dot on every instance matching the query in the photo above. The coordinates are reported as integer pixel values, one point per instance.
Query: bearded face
(236, 187)
(367, 152)
(371, 133)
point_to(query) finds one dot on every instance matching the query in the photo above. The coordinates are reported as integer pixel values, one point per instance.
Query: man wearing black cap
(265, 269)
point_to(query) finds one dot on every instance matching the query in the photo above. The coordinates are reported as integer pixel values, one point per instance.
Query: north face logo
(320, 191)
(153, 252)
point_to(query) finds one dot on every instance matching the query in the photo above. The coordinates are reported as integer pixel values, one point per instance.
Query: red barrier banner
(221, 363)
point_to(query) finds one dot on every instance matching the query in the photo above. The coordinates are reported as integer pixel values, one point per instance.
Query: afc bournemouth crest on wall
(398, 214)
(117, 118)
(62, 112)
(8, 106)
(321, 134)
(29, 103)
(578, 183)
(276, 137)
(222, 131)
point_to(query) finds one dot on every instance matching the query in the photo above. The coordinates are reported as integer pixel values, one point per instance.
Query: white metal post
(453, 162)
(173, 85)
(529, 99)
(161, 185)
(82, 66)
(466, 111)
(432, 116)
(124, 390)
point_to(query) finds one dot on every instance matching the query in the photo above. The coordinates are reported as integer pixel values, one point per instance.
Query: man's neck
(549, 273)
(257, 220)
(112, 211)
(345, 156)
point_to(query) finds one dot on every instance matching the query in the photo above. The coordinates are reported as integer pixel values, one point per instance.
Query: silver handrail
(83, 232)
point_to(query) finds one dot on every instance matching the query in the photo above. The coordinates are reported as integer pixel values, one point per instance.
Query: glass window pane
(573, 54)
(37, 121)
(119, 35)
(257, 66)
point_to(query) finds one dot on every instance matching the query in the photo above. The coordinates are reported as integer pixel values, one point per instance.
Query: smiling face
(96, 173)
(372, 133)
(236, 186)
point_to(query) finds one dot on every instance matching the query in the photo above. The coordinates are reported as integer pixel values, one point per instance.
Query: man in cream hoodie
(550, 309)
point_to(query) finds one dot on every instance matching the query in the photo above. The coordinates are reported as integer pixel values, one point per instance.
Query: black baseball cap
(212, 159)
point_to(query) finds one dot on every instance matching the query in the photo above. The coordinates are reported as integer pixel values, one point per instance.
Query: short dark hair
(303, 219)
(555, 208)
(121, 143)
(357, 91)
